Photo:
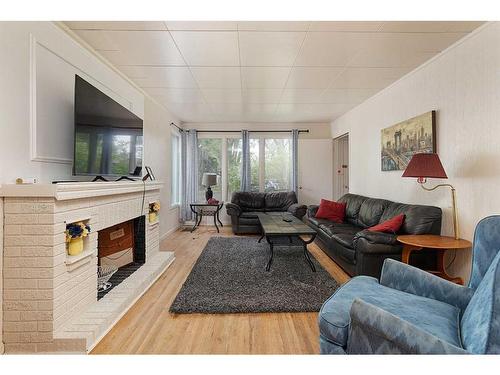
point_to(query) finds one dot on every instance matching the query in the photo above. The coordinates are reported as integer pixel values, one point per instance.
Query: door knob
(300, 187)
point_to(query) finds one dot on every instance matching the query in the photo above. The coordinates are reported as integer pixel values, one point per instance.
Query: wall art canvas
(401, 141)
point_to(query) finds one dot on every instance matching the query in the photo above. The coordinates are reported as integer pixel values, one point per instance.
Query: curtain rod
(239, 131)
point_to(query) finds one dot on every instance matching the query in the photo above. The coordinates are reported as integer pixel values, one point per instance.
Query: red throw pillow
(334, 211)
(389, 226)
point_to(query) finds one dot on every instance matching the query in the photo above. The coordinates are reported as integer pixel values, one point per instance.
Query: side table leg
(195, 223)
(441, 271)
(218, 219)
(215, 222)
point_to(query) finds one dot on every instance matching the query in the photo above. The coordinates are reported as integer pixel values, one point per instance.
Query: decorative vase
(153, 217)
(75, 246)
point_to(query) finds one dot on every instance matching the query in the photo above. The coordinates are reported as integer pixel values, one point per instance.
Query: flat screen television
(108, 139)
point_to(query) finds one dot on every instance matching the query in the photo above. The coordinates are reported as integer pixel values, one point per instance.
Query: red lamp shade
(425, 165)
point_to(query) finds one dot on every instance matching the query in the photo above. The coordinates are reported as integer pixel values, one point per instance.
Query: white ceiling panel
(202, 25)
(267, 71)
(301, 95)
(264, 77)
(357, 26)
(210, 48)
(368, 78)
(312, 77)
(269, 48)
(116, 25)
(176, 95)
(217, 77)
(135, 47)
(273, 26)
(429, 26)
(331, 48)
(160, 76)
(222, 95)
(261, 95)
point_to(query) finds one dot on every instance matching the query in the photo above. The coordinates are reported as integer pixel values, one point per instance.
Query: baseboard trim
(169, 232)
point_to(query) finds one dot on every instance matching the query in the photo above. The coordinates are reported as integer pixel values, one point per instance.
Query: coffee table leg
(260, 239)
(306, 253)
(268, 267)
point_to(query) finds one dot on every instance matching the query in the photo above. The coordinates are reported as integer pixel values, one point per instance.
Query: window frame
(175, 178)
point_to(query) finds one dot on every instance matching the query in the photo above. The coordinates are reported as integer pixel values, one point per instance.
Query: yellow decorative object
(75, 246)
(153, 217)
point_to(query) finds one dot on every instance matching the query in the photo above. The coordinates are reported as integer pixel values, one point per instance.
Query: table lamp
(209, 179)
(428, 165)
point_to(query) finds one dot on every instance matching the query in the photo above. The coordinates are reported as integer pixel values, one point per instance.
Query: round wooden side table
(413, 243)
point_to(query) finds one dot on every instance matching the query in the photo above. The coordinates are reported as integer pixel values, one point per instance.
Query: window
(176, 170)
(209, 161)
(277, 164)
(233, 155)
(270, 164)
(255, 165)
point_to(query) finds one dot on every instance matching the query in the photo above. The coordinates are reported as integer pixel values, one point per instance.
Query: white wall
(463, 85)
(38, 65)
(157, 155)
(37, 70)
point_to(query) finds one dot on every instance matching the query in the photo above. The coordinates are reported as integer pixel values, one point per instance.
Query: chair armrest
(297, 210)
(376, 331)
(409, 279)
(233, 209)
(311, 210)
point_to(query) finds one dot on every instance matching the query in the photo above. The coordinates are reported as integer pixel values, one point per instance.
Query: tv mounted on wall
(108, 137)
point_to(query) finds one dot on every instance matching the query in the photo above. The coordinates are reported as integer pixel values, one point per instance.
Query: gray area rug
(230, 277)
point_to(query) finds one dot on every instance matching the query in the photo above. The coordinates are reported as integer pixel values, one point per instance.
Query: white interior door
(315, 170)
(341, 166)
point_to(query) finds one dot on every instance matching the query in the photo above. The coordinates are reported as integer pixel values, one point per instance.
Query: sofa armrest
(409, 279)
(312, 210)
(377, 237)
(368, 242)
(233, 209)
(297, 210)
(375, 331)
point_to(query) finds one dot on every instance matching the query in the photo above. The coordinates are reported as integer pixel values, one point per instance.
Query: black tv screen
(108, 137)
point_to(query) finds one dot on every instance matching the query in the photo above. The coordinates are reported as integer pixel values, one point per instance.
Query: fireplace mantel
(76, 190)
(50, 297)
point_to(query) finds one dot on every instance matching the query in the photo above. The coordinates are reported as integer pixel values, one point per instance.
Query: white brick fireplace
(50, 298)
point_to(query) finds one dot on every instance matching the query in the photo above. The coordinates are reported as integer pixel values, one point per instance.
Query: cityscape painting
(401, 141)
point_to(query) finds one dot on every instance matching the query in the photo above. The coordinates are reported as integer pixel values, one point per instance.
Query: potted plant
(154, 208)
(75, 232)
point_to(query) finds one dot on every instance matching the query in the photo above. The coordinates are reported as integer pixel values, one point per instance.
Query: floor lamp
(428, 165)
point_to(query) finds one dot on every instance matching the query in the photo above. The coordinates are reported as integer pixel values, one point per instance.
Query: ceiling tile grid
(267, 71)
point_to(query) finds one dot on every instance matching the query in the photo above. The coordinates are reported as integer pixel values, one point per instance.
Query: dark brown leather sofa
(362, 252)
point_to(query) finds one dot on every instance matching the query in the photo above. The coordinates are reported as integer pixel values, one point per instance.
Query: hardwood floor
(148, 327)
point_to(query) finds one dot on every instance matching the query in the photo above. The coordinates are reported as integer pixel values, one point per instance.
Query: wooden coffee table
(273, 227)
(413, 243)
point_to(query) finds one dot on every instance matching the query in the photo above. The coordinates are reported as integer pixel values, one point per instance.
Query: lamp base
(209, 193)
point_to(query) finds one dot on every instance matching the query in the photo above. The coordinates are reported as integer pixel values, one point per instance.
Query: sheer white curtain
(189, 172)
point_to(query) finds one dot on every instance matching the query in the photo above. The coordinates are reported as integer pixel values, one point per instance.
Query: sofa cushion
(330, 210)
(389, 226)
(371, 211)
(353, 204)
(318, 222)
(419, 219)
(434, 317)
(249, 201)
(279, 201)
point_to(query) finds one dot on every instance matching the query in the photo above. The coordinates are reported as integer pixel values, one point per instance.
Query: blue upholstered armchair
(410, 311)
